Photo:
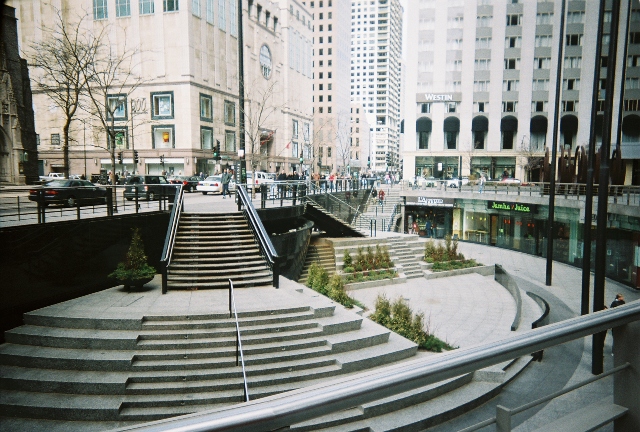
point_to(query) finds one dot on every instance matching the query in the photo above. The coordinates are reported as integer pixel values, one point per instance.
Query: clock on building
(265, 61)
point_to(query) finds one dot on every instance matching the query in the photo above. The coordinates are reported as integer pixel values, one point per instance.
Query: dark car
(148, 186)
(69, 193)
(189, 183)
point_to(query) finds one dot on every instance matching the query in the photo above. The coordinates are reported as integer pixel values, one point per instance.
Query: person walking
(619, 301)
(481, 182)
(226, 178)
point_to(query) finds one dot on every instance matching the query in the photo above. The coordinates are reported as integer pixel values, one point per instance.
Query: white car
(260, 178)
(453, 182)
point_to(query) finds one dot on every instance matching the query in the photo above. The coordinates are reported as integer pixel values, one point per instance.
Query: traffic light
(119, 157)
(301, 158)
(368, 161)
(216, 151)
(319, 161)
(135, 156)
(162, 159)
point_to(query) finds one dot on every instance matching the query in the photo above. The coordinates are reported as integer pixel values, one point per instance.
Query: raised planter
(375, 283)
(482, 270)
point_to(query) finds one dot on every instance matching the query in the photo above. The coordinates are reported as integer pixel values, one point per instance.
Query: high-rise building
(332, 120)
(184, 95)
(376, 49)
(481, 85)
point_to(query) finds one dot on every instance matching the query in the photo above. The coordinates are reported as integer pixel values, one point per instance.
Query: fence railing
(233, 313)
(304, 404)
(170, 238)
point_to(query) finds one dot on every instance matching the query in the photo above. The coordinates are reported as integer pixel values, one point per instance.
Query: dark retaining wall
(49, 263)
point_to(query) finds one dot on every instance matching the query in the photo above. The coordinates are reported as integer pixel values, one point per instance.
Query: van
(260, 178)
(148, 186)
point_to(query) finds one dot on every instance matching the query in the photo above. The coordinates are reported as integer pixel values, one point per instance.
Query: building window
(570, 106)
(631, 105)
(574, 39)
(484, 20)
(162, 105)
(513, 42)
(146, 7)
(123, 8)
(510, 85)
(512, 63)
(481, 106)
(540, 84)
(170, 5)
(541, 63)
(479, 138)
(233, 18)
(100, 9)
(571, 84)
(195, 7)
(481, 86)
(117, 107)
(483, 43)
(328, 152)
(514, 19)
(423, 140)
(229, 113)
(631, 83)
(544, 41)
(222, 17)
(634, 38)
(451, 107)
(230, 141)
(507, 140)
(451, 140)
(121, 138)
(544, 18)
(294, 129)
(306, 131)
(210, 11)
(576, 62)
(483, 64)
(575, 17)
(509, 106)
(206, 108)
(425, 108)
(163, 136)
(55, 139)
(206, 137)
(539, 106)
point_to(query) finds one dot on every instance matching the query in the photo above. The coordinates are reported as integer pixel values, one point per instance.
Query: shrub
(360, 259)
(134, 267)
(337, 292)
(347, 260)
(370, 258)
(399, 317)
(348, 269)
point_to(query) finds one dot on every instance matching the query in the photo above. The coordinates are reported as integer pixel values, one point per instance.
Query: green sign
(515, 207)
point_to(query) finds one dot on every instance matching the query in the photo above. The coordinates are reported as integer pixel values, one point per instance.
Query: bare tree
(63, 57)
(260, 114)
(111, 80)
(315, 140)
(343, 138)
(532, 157)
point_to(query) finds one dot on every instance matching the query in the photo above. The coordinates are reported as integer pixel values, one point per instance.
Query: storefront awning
(480, 124)
(538, 124)
(569, 124)
(509, 123)
(423, 124)
(451, 124)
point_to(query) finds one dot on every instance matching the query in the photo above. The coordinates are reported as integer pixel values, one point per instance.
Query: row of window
(507, 106)
(123, 7)
(162, 107)
(479, 140)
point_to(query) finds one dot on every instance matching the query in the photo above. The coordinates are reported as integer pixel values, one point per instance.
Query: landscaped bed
(445, 257)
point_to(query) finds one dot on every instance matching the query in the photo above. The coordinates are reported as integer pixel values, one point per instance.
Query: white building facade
(481, 85)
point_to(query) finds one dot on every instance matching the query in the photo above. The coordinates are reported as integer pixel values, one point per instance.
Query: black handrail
(169, 240)
(264, 242)
(234, 313)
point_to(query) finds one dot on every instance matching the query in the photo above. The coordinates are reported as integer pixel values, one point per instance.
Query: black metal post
(554, 152)
(597, 359)
(243, 162)
(591, 160)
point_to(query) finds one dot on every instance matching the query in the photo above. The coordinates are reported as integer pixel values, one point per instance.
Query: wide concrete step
(189, 266)
(251, 283)
(203, 275)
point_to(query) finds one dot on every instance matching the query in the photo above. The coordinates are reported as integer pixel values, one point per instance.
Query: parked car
(189, 183)
(210, 184)
(149, 187)
(426, 182)
(70, 193)
(509, 180)
(260, 178)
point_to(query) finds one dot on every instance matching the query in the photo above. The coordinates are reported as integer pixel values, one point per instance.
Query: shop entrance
(494, 230)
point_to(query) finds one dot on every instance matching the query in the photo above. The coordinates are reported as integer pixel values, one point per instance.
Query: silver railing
(283, 410)
(239, 355)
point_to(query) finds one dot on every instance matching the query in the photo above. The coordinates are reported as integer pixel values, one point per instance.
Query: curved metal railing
(260, 234)
(170, 239)
(233, 313)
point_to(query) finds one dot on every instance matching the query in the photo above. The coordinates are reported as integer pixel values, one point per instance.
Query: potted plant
(134, 270)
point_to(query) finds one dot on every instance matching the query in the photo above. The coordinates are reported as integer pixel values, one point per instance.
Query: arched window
(479, 127)
(509, 128)
(538, 130)
(569, 130)
(451, 129)
(423, 131)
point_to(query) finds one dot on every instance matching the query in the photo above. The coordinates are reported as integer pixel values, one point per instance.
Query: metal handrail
(392, 217)
(307, 403)
(259, 232)
(357, 213)
(234, 313)
(170, 238)
(521, 408)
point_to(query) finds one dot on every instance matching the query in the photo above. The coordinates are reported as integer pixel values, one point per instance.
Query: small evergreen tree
(134, 267)
(347, 260)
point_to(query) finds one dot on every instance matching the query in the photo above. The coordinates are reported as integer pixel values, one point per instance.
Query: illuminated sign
(428, 201)
(438, 97)
(515, 207)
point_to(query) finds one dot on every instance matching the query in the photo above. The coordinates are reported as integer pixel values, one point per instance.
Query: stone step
(252, 283)
(188, 265)
(203, 275)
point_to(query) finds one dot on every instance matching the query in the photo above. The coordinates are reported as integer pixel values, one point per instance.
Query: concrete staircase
(320, 252)
(382, 213)
(211, 248)
(407, 251)
(84, 370)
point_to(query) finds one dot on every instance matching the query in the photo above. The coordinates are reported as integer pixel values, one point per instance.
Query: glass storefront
(440, 167)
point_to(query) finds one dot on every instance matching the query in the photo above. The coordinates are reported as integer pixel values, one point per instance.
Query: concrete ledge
(375, 283)
(481, 270)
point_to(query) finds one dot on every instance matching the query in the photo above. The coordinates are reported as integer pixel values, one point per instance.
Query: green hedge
(333, 287)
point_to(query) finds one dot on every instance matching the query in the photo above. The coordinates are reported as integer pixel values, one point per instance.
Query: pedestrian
(201, 175)
(481, 182)
(226, 178)
(428, 228)
(619, 301)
